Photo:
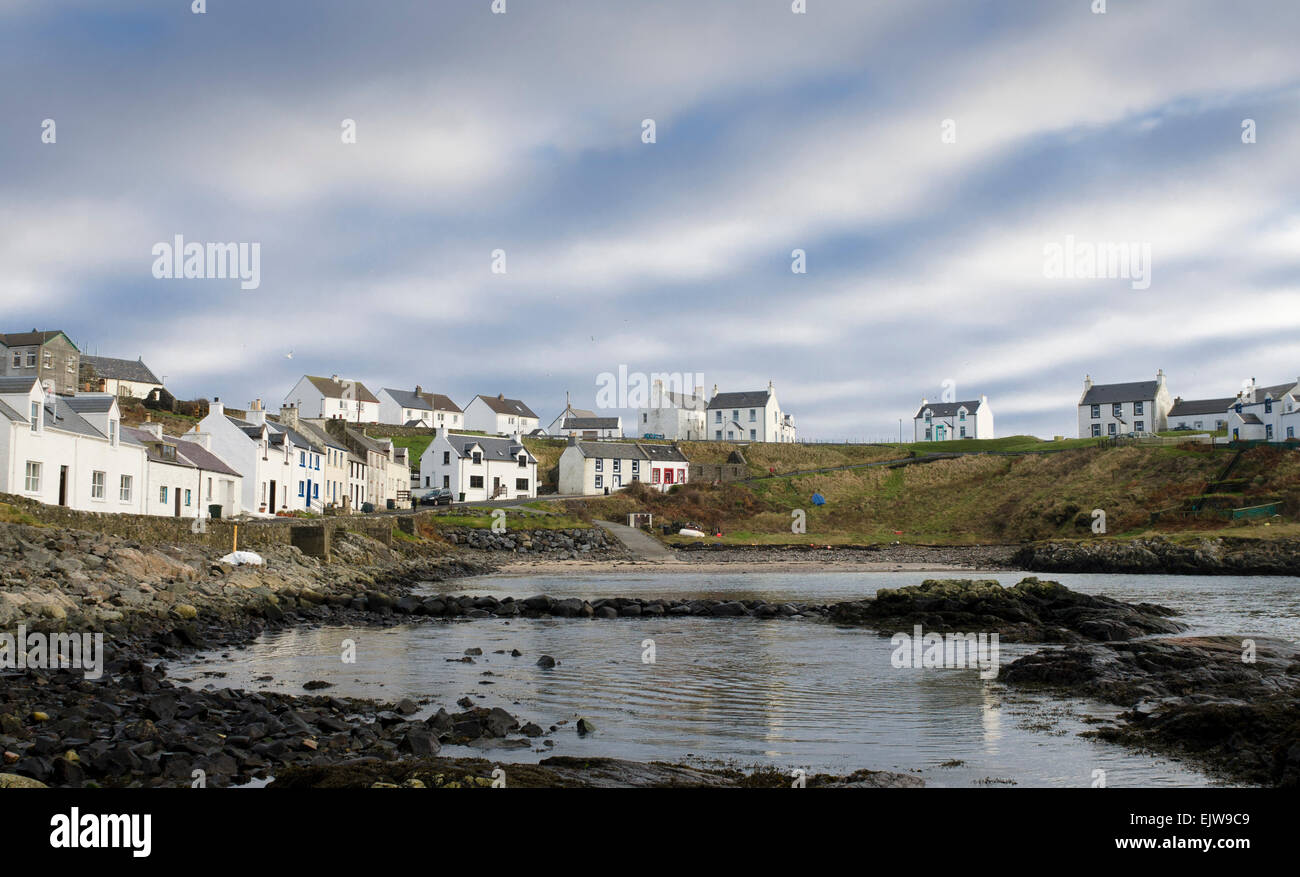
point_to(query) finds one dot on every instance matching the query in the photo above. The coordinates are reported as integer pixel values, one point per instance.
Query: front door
(496, 487)
(939, 433)
(272, 508)
(178, 501)
(308, 497)
(63, 485)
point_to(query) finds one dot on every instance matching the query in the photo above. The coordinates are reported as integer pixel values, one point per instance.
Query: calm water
(749, 692)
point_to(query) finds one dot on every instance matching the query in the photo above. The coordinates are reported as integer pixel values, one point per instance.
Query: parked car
(437, 496)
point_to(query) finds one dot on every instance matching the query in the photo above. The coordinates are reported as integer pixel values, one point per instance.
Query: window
(618, 465)
(124, 489)
(478, 457)
(600, 481)
(645, 418)
(302, 459)
(315, 458)
(97, 485)
(961, 415)
(521, 484)
(32, 484)
(523, 461)
(752, 415)
(753, 435)
(209, 490)
(446, 481)
(928, 414)
(600, 465)
(187, 498)
(636, 466)
(18, 359)
(718, 435)
(71, 367)
(1268, 406)
(654, 475)
(717, 418)
(1117, 409)
(446, 458)
(1096, 430)
(1110, 428)
(426, 481)
(962, 431)
(112, 433)
(1290, 432)
(1268, 431)
(315, 491)
(31, 359)
(36, 416)
(929, 433)
(1137, 408)
(1096, 411)
(476, 481)
(668, 476)
(47, 360)
(168, 452)
(1198, 424)
(735, 414)
(1139, 425)
(681, 476)
(162, 495)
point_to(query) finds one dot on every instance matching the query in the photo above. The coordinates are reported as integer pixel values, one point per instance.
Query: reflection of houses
(476, 467)
(1114, 409)
(946, 421)
(48, 356)
(129, 378)
(604, 467)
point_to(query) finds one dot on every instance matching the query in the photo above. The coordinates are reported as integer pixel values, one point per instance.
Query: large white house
(748, 416)
(948, 421)
(591, 468)
(476, 467)
(497, 415)
(673, 415)
(68, 450)
(1264, 413)
(1115, 409)
(333, 398)
(418, 408)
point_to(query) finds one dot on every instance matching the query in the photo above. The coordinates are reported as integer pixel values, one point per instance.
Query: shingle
(121, 369)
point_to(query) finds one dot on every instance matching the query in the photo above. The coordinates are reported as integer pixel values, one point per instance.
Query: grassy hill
(973, 499)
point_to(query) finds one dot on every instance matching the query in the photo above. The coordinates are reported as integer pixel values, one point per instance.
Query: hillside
(975, 499)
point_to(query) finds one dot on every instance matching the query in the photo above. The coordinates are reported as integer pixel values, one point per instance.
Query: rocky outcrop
(1031, 611)
(1209, 556)
(1228, 703)
(545, 606)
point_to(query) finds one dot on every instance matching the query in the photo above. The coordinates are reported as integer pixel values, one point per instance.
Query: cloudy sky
(925, 156)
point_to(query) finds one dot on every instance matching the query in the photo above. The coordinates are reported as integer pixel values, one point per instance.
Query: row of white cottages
(1256, 413)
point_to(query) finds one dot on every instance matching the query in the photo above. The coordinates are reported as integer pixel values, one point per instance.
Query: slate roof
(502, 405)
(409, 399)
(664, 453)
(632, 451)
(592, 423)
(7, 412)
(1188, 407)
(91, 403)
(27, 339)
(754, 399)
(947, 409)
(203, 458)
(331, 389)
(1135, 391)
(151, 447)
(1250, 418)
(320, 435)
(121, 369)
(63, 417)
(1274, 392)
(494, 447)
(16, 385)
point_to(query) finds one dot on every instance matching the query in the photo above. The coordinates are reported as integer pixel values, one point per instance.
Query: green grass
(515, 519)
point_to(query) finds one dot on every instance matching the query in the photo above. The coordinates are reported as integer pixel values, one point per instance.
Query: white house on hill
(948, 421)
(1115, 409)
(748, 416)
(477, 468)
(418, 408)
(333, 398)
(678, 416)
(497, 415)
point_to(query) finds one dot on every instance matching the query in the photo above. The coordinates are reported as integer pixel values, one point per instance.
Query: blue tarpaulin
(818, 499)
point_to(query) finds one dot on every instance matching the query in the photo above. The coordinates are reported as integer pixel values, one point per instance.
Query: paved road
(643, 546)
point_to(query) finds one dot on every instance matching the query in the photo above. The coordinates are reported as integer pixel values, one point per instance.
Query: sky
(927, 158)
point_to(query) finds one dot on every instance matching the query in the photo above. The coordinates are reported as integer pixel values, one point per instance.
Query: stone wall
(710, 472)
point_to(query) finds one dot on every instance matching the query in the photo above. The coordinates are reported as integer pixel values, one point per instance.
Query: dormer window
(928, 415)
(112, 433)
(477, 457)
(36, 417)
(523, 460)
(961, 415)
(168, 452)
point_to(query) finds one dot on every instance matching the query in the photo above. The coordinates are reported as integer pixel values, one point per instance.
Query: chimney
(154, 429)
(417, 389)
(1087, 383)
(715, 389)
(289, 416)
(334, 378)
(215, 407)
(573, 440)
(1160, 376)
(501, 397)
(256, 414)
(147, 417)
(202, 439)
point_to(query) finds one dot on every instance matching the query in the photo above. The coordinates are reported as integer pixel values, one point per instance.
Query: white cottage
(497, 415)
(590, 468)
(418, 408)
(478, 468)
(949, 421)
(334, 398)
(674, 415)
(748, 416)
(1115, 409)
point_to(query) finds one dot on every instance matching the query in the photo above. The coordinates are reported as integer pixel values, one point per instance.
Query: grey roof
(61, 416)
(320, 436)
(612, 450)
(593, 423)
(688, 401)
(332, 389)
(203, 458)
(91, 403)
(947, 409)
(1136, 391)
(7, 412)
(121, 369)
(494, 447)
(365, 441)
(17, 385)
(26, 339)
(754, 399)
(296, 437)
(1187, 407)
(1274, 392)
(409, 399)
(1250, 418)
(664, 453)
(501, 405)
